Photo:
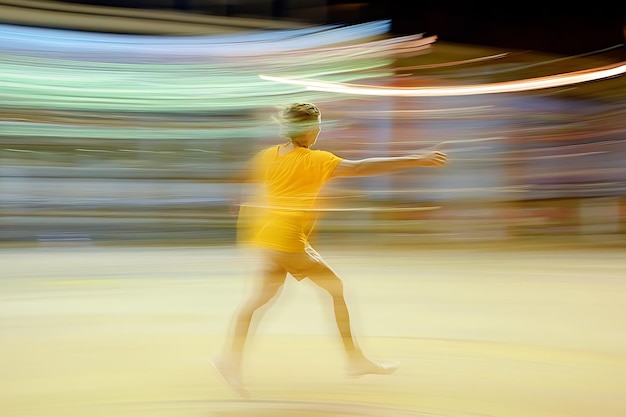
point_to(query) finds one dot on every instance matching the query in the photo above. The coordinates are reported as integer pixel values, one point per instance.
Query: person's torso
(282, 213)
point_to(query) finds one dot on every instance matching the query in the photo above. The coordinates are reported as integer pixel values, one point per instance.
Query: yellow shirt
(280, 215)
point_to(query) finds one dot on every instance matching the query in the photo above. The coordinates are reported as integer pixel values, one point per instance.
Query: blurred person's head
(301, 123)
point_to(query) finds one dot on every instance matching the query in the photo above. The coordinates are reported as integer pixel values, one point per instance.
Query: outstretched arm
(388, 165)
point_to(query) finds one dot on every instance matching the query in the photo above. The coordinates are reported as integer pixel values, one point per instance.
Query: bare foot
(364, 366)
(231, 373)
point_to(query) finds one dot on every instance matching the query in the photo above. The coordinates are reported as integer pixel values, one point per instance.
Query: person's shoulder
(321, 152)
(324, 154)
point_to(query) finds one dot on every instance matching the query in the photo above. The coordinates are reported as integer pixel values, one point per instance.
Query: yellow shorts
(298, 264)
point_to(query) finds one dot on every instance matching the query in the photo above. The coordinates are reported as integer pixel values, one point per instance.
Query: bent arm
(388, 165)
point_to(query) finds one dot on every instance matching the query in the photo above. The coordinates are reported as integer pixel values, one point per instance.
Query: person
(278, 221)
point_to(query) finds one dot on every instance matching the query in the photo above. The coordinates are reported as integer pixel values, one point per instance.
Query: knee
(335, 288)
(270, 290)
(328, 281)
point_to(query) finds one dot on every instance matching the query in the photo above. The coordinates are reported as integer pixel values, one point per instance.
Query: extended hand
(433, 159)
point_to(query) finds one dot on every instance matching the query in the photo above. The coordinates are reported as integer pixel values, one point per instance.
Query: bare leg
(358, 363)
(325, 278)
(230, 362)
(273, 278)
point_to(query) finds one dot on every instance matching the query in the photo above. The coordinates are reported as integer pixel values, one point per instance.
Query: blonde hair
(297, 118)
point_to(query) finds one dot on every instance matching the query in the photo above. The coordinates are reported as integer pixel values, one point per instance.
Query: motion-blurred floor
(127, 331)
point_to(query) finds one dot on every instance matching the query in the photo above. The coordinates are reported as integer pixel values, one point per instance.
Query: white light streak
(538, 83)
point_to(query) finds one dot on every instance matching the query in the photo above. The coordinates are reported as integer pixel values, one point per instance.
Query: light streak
(537, 83)
(77, 71)
(455, 63)
(13, 37)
